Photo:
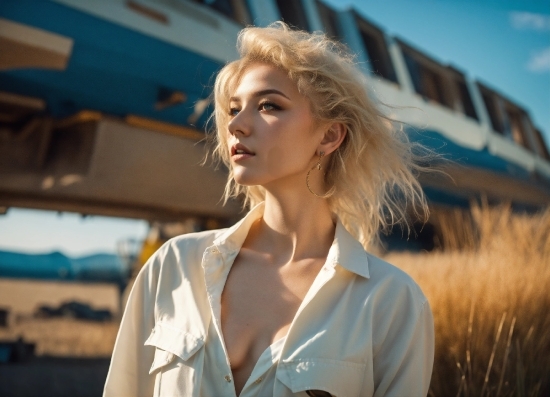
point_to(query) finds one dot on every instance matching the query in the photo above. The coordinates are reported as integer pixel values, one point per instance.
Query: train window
(462, 98)
(428, 77)
(545, 154)
(329, 19)
(507, 118)
(493, 109)
(377, 51)
(468, 105)
(234, 9)
(516, 127)
(293, 13)
(466, 99)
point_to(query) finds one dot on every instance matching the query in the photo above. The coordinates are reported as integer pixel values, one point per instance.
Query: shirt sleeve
(405, 360)
(129, 369)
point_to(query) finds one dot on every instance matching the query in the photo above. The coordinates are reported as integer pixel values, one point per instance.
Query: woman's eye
(233, 112)
(269, 106)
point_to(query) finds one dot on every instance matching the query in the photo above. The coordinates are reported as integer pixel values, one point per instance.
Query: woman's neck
(294, 228)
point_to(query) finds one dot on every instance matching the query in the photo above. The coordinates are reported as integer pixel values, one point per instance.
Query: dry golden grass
(23, 296)
(65, 337)
(490, 301)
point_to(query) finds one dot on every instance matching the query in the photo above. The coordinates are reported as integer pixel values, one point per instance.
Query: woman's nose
(239, 125)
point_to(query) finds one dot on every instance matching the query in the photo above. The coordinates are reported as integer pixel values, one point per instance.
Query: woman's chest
(301, 365)
(258, 304)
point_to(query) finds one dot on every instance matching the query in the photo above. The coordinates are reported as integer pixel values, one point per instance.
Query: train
(104, 106)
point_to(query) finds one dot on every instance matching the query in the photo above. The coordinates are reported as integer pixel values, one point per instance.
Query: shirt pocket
(339, 378)
(176, 364)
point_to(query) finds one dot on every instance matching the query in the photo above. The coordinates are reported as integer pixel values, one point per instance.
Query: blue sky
(504, 43)
(38, 231)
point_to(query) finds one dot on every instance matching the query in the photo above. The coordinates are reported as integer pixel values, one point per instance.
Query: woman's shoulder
(394, 284)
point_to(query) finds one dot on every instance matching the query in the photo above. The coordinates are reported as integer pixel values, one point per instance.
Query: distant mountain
(57, 266)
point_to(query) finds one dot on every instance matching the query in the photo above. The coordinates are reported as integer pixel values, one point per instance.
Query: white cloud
(529, 21)
(540, 61)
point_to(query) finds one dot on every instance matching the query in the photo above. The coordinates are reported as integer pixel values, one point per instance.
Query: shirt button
(227, 378)
(214, 250)
(258, 380)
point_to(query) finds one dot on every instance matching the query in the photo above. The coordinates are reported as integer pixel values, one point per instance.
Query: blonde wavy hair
(374, 170)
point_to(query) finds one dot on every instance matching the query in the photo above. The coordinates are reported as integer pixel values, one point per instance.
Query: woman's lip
(241, 148)
(241, 156)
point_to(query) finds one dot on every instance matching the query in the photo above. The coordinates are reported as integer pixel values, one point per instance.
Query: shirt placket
(216, 267)
(264, 365)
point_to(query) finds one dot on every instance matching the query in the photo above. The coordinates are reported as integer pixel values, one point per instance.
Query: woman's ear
(333, 138)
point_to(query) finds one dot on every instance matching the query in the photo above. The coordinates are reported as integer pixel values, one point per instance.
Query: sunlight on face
(273, 136)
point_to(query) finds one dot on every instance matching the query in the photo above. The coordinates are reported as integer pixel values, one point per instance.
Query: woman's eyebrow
(261, 93)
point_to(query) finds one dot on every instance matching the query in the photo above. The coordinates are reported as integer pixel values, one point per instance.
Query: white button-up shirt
(364, 328)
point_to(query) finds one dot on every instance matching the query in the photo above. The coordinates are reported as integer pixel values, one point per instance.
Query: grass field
(59, 336)
(23, 296)
(488, 291)
(491, 302)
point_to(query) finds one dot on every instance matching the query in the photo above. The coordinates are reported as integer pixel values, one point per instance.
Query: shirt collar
(345, 251)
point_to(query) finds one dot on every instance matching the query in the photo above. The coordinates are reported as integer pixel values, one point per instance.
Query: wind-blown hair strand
(375, 169)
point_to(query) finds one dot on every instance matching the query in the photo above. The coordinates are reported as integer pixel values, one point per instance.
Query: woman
(286, 302)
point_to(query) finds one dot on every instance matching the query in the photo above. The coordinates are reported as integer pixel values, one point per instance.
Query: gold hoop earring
(318, 166)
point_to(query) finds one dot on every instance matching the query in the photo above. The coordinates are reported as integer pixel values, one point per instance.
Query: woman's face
(272, 137)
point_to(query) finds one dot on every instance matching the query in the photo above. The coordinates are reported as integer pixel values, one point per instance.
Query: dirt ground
(71, 356)
(54, 377)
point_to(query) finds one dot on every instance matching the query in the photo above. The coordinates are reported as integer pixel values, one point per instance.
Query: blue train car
(103, 105)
